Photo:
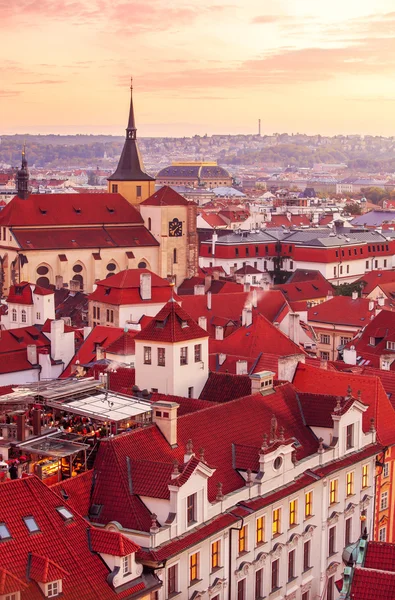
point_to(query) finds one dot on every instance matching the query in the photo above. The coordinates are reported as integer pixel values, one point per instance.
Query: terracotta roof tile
(112, 543)
(222, 387)
(166, 196)
(171, 324)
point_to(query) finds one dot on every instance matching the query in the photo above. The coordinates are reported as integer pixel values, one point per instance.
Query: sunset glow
(198, 67)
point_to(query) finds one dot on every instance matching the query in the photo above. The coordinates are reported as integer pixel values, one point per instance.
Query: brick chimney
(241, 367)
(145, 286)
(198, 290)
(32, 354)
(164, 416)
(219, 332)
(246, 317)
(202, 322)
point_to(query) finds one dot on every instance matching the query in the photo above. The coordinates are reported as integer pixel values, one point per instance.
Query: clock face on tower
(175, 228)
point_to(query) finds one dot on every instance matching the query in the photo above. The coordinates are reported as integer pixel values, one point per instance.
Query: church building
(52, 239)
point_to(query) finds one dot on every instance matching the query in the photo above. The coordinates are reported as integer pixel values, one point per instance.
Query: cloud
(42, 82)
(268, 19)
(9, 93)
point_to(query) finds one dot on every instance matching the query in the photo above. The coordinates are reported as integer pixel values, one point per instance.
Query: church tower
(130, 180)
(22, 178)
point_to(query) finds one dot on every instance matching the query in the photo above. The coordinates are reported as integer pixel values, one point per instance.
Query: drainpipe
(230, 553)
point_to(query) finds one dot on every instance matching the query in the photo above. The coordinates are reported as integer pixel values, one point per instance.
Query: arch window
(43, 282)
(14, 315)
(111, 266)
(80, 279)
(77, 268)
(142, 265)
(23, 316)
(42, 270)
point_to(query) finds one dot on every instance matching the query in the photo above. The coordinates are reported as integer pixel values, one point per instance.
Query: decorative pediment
(197, 595)
(260, 560)
(305, 587)
(291, 596)
(243, 569)
(364, 503)
(332, 568)
(293, 540)
(216, 586)
(333, 518)
(308, 532)
(277, 550)
(350, 509)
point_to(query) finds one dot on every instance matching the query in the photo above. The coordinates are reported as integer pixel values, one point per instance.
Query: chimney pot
(164, 416)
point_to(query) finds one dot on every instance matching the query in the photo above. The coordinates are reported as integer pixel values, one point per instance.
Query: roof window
(110, 210)
(77, 210)
(65, 513)
(95, 510)
(4, 533)
(31, 524)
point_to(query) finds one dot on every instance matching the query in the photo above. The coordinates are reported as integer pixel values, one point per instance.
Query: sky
(198, 66)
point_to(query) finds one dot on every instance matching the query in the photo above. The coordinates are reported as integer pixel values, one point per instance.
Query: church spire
(22, 177)
(131, 131)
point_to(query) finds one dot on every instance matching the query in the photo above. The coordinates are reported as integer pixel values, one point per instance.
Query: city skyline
(197, 68)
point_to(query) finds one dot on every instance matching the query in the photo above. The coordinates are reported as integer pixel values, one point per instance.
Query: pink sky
(198, 66)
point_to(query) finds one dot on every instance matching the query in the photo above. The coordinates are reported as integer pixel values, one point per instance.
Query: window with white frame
(325, 339)
(14, 596)
(14, 314)
(172, 580)
(23, 316)
(384, 500)
(350, 436)
(125, 565)
(390, 345)
(382, 534)
(324, 355)
(385, 470)
(53, 589)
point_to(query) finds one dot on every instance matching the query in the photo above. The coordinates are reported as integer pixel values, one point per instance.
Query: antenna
(259, 127)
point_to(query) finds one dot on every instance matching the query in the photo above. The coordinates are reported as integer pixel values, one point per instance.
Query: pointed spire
(22, 177)
(131, 130)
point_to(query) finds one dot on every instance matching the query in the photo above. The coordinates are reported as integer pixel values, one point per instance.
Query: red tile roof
(43, 569)
(372, 584)
(124, 345)
(382, 329)
(213, 219)
(305, 290)
(300, 275)
(342, 310)
(374, 278)
(166, 196)
(9, 584)
(124, 288)
(76, 491)
(13, 348)
(22, 293)
(186, 405)
(69, 209)
(112, 543)
(171, 324)
(380, 555)
(313, 380)
(222, 387)
(317, 409)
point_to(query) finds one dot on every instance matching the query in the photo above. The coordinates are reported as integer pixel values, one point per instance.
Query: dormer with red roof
(46, 573)
(28, 304)
(172, 354)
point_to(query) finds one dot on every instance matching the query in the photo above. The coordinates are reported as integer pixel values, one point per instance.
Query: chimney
(20, 427)
(209, 300)
(36, 418)
(241, 367)
(219, 332)
(264, 285)
(164, 416)
(371, 305)
(87, 331)
(202, 322)
(59, 282)
(294, 327)
(261, 381)
(380, 301)
(221, 358)
(246, 317)
(213, 242)
(32, 354)
(100, 353)
(354, 295)
(254, 298)
(57, 339)
(232, 270)
(216, 275)
(145, 286)
(207, 282)
(74, 287)
(247, 287)
(198, 290)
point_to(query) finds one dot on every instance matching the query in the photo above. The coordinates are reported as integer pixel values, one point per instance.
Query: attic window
(4, 533)
(184, 324)
(64, 494)
(77, 210)
(65, 513)
(95, 510)
(110, 210)
(31, 524)
(159, 324)
(108, 290)
(43, 211)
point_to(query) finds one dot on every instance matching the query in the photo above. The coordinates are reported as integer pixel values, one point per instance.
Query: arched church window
(42, 270)
(80, 280)
(142, 265)
(111, 267)
(77, 268)
(43, 282)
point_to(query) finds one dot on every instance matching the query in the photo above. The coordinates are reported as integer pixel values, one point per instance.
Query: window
(291, 565)
(125, 565)
(367, 264)
(12, 596)
(384, 501)
(293, 509)
(243, 539)
(149, 223)
(341, 268)
(331, 540)
(385, 470)
(175, 256)
(138, 191)
(333, 486)
(14, 314)
(376, 264)
(110, 316)
(291, 264)
(114, 188)
(194, 567)
(172, 584)
(324, 355)
(372, 341)
(198, 352)
(241, 589)
(31, 524)
(184, 355)
(390, 345)
(236, 251)
(325, 339)
(147, 355)
(344, 340)
(215, 555)
(350, 483)
(349, 437)
(382, 534)
(365, 476)
(23, 315)
(247, 251)
(334, 271)
(330, 591)
(348, 532)
(385, 263)
(53, 589)
(4, 533)
(305, 596)
(38, 316)
(258, 584)
(276, 524)
(191, 509)
(348, 268)
(190, 392)
(260, 531)
(275, 574)
(306, 555)
(161, 357)
(308, 504)
(65, 513)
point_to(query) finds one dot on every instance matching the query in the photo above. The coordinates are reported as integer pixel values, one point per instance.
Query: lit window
(260, 531)
(65, 513)
(193, 567)
(4, 533)
(147, 355)
(333, 487)
(191, 509)
(215, 556)
(349, 437)
(293, 507)
(350, 483)
(53, 589)
(276, 524)
(184, 355)
(31, 524)
(365, 476)
(125, 565)
(308, 504)
(161, 357)
(383, 501)
(243, 539)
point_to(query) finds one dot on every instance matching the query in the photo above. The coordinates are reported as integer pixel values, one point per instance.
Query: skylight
(65, 513)
(31, 524)
(4, 533)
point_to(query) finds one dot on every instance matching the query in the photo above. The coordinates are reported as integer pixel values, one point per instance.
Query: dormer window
(390, 345)
(4, 533)
(350, 437)
(54, 588)
(372, 341)
(191, 509)
(126, 565)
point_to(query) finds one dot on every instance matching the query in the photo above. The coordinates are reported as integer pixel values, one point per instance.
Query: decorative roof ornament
(189, 447)
(273, 429)
(338, 406)
(264, 442)
(281, 436)
(201, 455)
(220, 495)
